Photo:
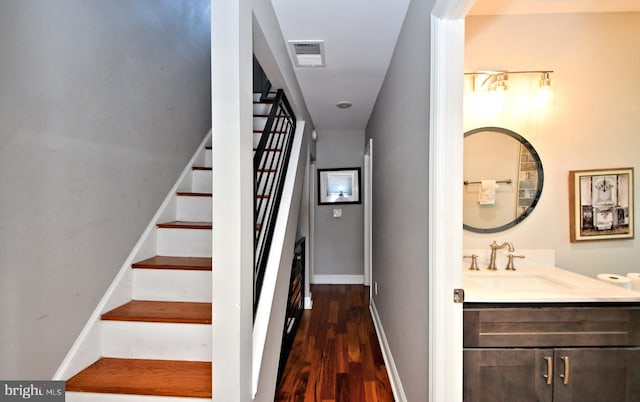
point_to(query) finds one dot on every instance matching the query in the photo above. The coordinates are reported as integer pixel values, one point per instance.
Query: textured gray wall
(102, 103)
(399, 127)
(339, 242)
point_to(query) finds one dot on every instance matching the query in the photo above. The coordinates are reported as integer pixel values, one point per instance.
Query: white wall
(233, 29)
(102, 104)
(271, 51)
(591, 123)
(399, 127)
(339, 242)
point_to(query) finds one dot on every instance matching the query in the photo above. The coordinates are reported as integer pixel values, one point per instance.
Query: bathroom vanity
(536, 333)
(548, 334)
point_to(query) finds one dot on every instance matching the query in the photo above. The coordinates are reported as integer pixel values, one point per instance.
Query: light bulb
(545, 81)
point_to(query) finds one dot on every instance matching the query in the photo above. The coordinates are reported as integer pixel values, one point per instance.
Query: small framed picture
(601, 204)
(339, 186)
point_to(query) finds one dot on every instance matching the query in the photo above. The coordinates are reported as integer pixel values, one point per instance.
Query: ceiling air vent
(307, 53)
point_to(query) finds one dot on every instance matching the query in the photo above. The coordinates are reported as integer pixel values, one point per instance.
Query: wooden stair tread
(201, 168)
(145, 377)
(192, 194)
(169, 262)
(184, 225)
(161, 311)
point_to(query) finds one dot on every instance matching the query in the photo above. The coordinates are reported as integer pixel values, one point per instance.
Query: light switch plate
(337, 213)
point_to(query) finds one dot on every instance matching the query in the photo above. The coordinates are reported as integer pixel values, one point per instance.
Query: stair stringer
(88, 346)
(270, 314)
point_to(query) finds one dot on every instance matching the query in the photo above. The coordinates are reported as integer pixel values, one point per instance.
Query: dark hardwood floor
(335, 355)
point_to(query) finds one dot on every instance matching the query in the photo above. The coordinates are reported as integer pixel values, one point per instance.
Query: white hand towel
(487, 193)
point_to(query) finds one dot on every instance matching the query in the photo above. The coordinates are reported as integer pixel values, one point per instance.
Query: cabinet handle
(565, 376)
(549, 375)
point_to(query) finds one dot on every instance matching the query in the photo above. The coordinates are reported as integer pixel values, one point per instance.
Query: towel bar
(508, 181)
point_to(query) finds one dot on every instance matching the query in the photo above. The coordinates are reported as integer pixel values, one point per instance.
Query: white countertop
(540, 285)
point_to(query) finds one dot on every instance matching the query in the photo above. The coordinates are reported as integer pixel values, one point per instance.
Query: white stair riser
(208, 158)
(184, 242)
(262, 211)
(94, 397)
(258, 95)
(270, 158)
(157, 341)
(261, 108)
(201, 181)
(259, 123)
(277, 142)
(172, 285)
(191, 208)
(264, 187)
(264, 205)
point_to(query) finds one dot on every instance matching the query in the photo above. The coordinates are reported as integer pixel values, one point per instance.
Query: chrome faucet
(494, 247)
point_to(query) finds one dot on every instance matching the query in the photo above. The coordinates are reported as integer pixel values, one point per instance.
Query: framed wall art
(339, 186)
(601, 204)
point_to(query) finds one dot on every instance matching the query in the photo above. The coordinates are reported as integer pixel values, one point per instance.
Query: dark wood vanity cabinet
(492, 375)
(558, 353)
(598, 374)
(510, 374)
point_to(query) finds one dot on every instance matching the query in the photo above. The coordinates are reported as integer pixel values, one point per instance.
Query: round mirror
(502, 179)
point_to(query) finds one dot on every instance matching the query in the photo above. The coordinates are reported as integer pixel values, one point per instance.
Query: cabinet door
(496, 375)
(598, 374)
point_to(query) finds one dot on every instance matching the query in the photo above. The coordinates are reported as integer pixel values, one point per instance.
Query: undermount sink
(536, 280)
(516, 282)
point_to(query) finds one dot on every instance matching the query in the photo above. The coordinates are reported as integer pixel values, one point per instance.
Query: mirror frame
(539, 169)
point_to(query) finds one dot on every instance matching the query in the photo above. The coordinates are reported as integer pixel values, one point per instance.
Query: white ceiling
(360, 36)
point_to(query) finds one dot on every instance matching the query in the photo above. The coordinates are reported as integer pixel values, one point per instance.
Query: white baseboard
(337, 279)
(308, 303)
(392, 371)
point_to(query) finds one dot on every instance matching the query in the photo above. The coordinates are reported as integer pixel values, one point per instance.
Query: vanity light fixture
(486, 80)
(492, 80)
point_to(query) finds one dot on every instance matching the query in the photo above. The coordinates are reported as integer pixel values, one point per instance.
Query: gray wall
(399, 127)
(102, 104)
(339, 242)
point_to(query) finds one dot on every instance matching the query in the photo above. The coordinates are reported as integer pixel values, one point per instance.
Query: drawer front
(551, 326)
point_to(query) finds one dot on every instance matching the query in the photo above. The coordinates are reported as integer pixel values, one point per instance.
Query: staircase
(150, 339)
